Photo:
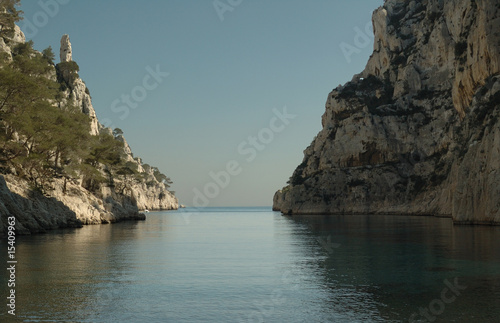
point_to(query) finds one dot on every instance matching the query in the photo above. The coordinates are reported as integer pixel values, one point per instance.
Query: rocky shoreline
(38, 213)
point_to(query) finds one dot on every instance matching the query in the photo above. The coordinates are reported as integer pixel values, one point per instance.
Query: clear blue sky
(228, 68)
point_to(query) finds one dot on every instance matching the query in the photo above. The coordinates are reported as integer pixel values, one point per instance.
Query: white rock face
(417, 131)
(32, 215)
(17, 38)
(83, 100)
(79, 96)
(65, 52)
(5, 49)
(18, 35)
(153, 197)
(127, 148)
(35, 212)
(444, 32)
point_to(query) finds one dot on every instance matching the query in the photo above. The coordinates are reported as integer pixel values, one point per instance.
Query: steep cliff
(417, 132)
(80, 196)
(78, 93)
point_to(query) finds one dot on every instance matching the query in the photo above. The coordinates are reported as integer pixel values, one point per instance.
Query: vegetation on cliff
(8, 17)
(45, 135)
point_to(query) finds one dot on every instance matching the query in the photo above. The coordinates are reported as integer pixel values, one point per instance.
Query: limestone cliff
(7, 43)
(78, 93)
(69, 202)
(417, 132)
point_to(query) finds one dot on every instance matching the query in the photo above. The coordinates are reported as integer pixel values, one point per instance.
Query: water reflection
(399, 264)
(232, 265)
(65, 271)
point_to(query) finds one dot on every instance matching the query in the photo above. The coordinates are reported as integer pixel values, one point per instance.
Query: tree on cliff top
(8, 17)
(162, 178)
(49, 55)
(67, 73)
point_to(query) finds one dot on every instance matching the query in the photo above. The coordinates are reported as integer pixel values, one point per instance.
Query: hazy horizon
(222, 98)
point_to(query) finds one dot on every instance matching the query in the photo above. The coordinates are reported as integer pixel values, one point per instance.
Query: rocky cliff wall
(78, 94)
(417, 132)
(67, 203)
(34, 213)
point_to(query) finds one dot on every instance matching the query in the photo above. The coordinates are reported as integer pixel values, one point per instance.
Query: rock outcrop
(8, 43)
(65, 52)
(78, 93)
(417, 132)
(67, 203)
(34, 212)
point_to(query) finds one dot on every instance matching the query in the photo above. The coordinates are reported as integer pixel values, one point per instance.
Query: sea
(256, 265)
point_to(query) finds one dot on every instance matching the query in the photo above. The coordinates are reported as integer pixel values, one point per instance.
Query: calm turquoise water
(254, 265)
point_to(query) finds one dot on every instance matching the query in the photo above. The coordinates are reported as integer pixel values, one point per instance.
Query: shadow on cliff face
(34, 213)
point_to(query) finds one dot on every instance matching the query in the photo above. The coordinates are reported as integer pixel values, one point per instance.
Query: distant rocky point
(418, 131)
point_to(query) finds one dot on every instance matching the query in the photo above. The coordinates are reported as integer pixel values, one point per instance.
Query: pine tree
(8, 17)
(49, 55)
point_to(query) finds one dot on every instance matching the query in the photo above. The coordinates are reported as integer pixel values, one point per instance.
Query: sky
(222, 96)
